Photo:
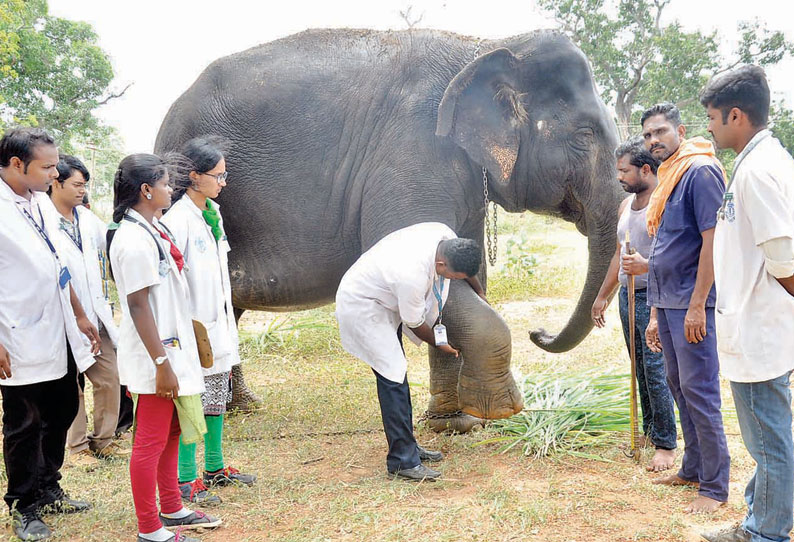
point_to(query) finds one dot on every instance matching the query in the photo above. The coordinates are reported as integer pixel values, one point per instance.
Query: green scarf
(213, 220)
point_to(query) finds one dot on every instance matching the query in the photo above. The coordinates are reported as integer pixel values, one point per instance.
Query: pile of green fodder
(568, 415)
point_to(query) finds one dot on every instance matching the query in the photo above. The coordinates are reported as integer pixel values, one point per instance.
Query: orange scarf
(670, 173)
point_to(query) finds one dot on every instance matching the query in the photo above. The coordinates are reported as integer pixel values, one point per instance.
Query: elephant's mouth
(572, 210)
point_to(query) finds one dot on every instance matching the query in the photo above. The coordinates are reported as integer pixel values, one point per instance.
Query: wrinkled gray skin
(340, 137)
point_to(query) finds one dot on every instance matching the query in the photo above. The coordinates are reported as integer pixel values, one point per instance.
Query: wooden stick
(635, 448)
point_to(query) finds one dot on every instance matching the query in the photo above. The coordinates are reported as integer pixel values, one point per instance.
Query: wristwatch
(160, 360)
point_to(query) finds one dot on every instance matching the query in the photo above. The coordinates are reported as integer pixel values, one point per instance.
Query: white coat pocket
(218, 333)
(26, 344)
(728, 335)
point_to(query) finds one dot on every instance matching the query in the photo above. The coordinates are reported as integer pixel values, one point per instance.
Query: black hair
(67, 165)
(85, 199)
(744, 88)
(133, 171)
(463, 255)
(638, 155)
(201, 154)
(20, 142)
(669, 110)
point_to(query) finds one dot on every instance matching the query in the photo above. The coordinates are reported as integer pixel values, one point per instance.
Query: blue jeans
(658, 412)
(764, 413)
(694, 380)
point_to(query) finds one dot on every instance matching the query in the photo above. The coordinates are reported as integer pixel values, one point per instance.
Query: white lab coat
(207, 274)
(389, 284)
(135, 262)
(755, 314)
(84, 265)
(36, 316)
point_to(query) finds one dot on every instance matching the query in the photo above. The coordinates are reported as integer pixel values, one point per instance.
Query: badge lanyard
(439, 330)
(727, 198)
(164, 265)
(63, 275)
(438, 296)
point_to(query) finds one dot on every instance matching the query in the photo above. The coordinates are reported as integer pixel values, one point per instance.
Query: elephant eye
(582, 138)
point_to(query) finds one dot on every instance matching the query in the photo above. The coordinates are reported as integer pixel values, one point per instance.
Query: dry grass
(319, 450)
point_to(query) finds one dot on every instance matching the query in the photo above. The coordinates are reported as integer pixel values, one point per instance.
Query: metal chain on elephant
(491, 248)
(447, 416)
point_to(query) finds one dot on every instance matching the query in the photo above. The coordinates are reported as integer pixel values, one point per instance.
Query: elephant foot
(457, 422)
(243, 399)
(489, 399)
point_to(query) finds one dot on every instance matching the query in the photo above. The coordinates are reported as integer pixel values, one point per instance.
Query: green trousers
(213, 451)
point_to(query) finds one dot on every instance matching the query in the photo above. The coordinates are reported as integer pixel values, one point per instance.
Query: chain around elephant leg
(243, 399)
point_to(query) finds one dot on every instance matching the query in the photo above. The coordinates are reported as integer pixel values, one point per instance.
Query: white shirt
(207, 274)
(135, 262)
(36, 316)
(755, 314)
(84, 264)
(391, 283)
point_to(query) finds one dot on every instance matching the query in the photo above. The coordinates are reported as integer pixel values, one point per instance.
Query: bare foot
(703, 505)
(674, 480)
(662, 460)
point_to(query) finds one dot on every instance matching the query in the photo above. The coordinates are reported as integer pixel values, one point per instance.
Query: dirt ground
(318, 447)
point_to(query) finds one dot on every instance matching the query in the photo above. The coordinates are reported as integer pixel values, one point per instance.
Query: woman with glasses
(197, 227)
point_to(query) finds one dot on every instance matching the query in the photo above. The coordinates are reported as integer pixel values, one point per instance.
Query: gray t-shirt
(634, 222)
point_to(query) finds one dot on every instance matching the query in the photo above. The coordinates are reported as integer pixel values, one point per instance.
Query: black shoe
(730, 534)
(429, 456)
(197, 493)
(28, 525)
(416, 474)
(177, 537)
(228, 476)
(195, 520)
(54, 500)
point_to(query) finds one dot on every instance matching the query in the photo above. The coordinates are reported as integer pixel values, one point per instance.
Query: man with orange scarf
(681, 216)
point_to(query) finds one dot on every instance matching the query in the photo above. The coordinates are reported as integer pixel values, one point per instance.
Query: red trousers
(153, 464)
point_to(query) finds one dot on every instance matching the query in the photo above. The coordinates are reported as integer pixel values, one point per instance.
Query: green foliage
(782, 124)
(52, 73)
(520, 262)
(564, 415)
(639, 62)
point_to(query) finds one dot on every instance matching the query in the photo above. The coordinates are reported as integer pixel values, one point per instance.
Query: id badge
(440, 332)
(164, 268)
(64, 277)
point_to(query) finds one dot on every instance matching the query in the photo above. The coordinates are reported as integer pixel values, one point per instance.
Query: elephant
(339, 137)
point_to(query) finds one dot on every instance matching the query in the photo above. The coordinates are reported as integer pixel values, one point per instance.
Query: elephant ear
(482, 112)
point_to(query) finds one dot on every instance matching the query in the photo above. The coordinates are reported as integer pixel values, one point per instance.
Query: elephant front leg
(443, 411)
(479, 383)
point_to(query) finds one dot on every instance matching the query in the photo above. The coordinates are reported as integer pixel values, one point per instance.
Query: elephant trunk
(601, 247)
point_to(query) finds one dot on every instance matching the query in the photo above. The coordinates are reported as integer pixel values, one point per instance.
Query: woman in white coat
(197, 226)
(158, 356)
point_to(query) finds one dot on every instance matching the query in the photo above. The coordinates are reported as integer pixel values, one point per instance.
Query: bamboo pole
(635, 448)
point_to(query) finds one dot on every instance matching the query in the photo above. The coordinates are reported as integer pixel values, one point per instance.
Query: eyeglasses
(220, 177)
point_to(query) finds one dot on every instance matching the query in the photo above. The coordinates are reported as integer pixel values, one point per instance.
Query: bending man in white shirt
(400, 283)
(754, 275)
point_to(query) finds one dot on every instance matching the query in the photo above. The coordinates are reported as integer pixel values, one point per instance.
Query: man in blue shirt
(682, 215)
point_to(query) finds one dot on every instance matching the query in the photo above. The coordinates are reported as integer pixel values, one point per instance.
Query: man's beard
(635, 188)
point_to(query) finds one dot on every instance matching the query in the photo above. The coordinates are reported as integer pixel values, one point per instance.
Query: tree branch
(113, 96)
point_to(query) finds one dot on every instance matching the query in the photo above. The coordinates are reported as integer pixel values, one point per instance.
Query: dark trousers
(36, 418)
(397, 414)
(693, 377)
(658, 412)
(126, 413)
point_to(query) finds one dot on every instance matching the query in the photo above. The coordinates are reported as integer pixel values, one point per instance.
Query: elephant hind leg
(243, 399)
